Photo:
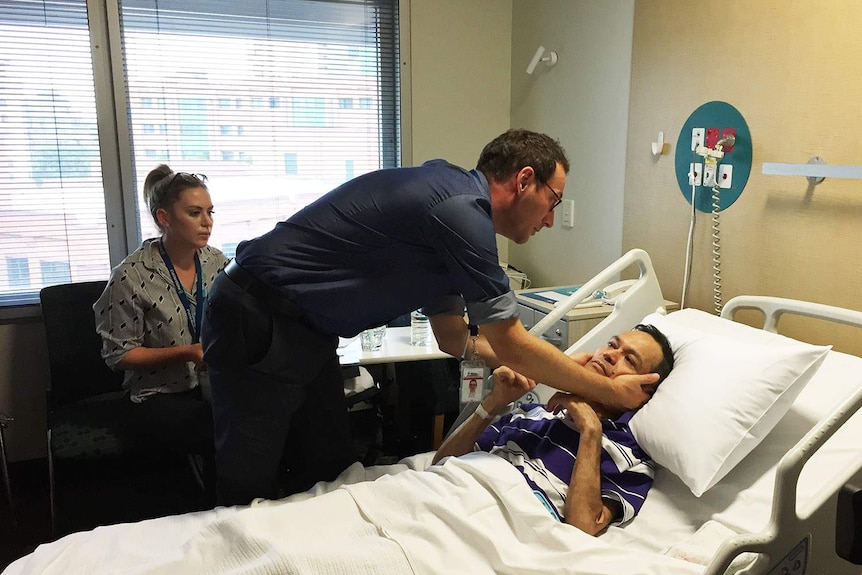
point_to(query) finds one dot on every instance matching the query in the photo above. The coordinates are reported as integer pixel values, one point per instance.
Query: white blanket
(471, 515)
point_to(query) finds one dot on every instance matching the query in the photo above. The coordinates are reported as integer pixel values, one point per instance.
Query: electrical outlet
(725, 175)
(709, 172)
(697, 138)
(568, 213)
(695, 173)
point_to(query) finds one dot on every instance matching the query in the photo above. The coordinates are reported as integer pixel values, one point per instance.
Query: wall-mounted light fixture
(549, 57)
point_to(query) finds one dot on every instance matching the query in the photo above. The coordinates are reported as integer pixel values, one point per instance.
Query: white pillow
(729, 387)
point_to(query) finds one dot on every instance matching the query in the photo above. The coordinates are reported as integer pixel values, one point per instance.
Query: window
(52, 203)
(55, 272)
(18, 272)
(291, 165)
(309, 112)
(243, 96)
(229, 249)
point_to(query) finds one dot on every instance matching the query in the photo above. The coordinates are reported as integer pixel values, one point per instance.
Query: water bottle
(420, 329)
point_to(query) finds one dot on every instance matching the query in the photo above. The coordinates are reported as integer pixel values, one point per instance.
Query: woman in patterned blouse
(150, 313)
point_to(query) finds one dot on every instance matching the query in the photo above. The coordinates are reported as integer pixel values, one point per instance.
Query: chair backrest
(74, 348)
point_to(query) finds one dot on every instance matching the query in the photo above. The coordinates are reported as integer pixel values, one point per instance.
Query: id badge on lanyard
(473, 371)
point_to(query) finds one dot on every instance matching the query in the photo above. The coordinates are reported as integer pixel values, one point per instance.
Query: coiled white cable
(716, 249)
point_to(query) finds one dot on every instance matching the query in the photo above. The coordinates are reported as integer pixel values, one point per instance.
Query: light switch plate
(568, 213)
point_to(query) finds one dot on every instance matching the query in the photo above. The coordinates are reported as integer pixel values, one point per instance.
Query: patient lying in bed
(468, 514)
(578, 457)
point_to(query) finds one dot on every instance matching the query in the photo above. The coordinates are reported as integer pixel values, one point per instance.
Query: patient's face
(631, 352)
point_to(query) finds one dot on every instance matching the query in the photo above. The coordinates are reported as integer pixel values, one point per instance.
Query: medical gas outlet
(714, 152)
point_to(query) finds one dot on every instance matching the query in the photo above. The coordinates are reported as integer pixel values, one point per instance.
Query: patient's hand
(509, 385)
(579, 412)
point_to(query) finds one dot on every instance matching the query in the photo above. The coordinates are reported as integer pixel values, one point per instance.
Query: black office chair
(86, 405)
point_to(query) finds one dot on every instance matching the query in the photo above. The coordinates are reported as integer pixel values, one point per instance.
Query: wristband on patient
(483, 413)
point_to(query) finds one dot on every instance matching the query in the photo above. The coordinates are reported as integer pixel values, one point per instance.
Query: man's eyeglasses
(557, 197)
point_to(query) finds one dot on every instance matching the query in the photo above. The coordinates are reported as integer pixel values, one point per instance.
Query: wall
(582, 101)
(459, 72)
(790, 68)
(460, 75)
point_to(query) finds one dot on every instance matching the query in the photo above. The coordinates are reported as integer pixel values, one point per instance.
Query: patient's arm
(585, 508)
(508, 386)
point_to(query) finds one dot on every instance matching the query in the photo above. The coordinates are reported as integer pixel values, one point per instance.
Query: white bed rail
(786, 529)
(645, 294)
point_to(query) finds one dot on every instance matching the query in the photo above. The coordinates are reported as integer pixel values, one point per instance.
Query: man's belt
(261, 291)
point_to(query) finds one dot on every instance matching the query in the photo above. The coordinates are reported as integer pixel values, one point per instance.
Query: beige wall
(792, 70)
(460, 75)
(460, 59)
(582, 101)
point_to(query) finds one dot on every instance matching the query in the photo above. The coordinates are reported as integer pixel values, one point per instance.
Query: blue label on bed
(543, 499)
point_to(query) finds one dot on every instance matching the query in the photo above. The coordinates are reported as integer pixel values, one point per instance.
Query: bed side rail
(786, 528)
(642, 298)
(774, 307)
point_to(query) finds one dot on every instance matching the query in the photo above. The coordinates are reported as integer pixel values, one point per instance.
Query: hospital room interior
(620, 84)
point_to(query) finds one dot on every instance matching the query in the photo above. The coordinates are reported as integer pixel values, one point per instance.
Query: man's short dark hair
(515, 149)
(666, 364)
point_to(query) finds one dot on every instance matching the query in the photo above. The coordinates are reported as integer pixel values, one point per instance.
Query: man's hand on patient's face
(633, 390)
(509, 385)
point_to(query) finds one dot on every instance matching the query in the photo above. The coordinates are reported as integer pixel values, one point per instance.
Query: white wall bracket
(815, 170)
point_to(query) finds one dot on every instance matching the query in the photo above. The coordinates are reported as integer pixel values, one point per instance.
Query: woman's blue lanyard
(200, 295)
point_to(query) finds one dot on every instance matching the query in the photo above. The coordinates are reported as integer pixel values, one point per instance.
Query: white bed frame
(786, 542)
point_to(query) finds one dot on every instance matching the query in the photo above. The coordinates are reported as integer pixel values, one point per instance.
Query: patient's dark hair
(666, 364)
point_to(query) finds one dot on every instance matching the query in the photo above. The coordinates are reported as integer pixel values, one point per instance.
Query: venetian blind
(52, 208)
(276, 101)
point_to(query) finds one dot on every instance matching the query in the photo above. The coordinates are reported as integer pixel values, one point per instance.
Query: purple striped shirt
(544, 445)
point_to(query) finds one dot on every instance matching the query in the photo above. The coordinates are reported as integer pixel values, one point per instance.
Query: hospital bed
(773, 513)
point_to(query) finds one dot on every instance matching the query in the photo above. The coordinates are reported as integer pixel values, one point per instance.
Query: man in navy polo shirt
(578, 456)
(373, 249)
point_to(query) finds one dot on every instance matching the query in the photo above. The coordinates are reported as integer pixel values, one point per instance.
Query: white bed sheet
(470, 515)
